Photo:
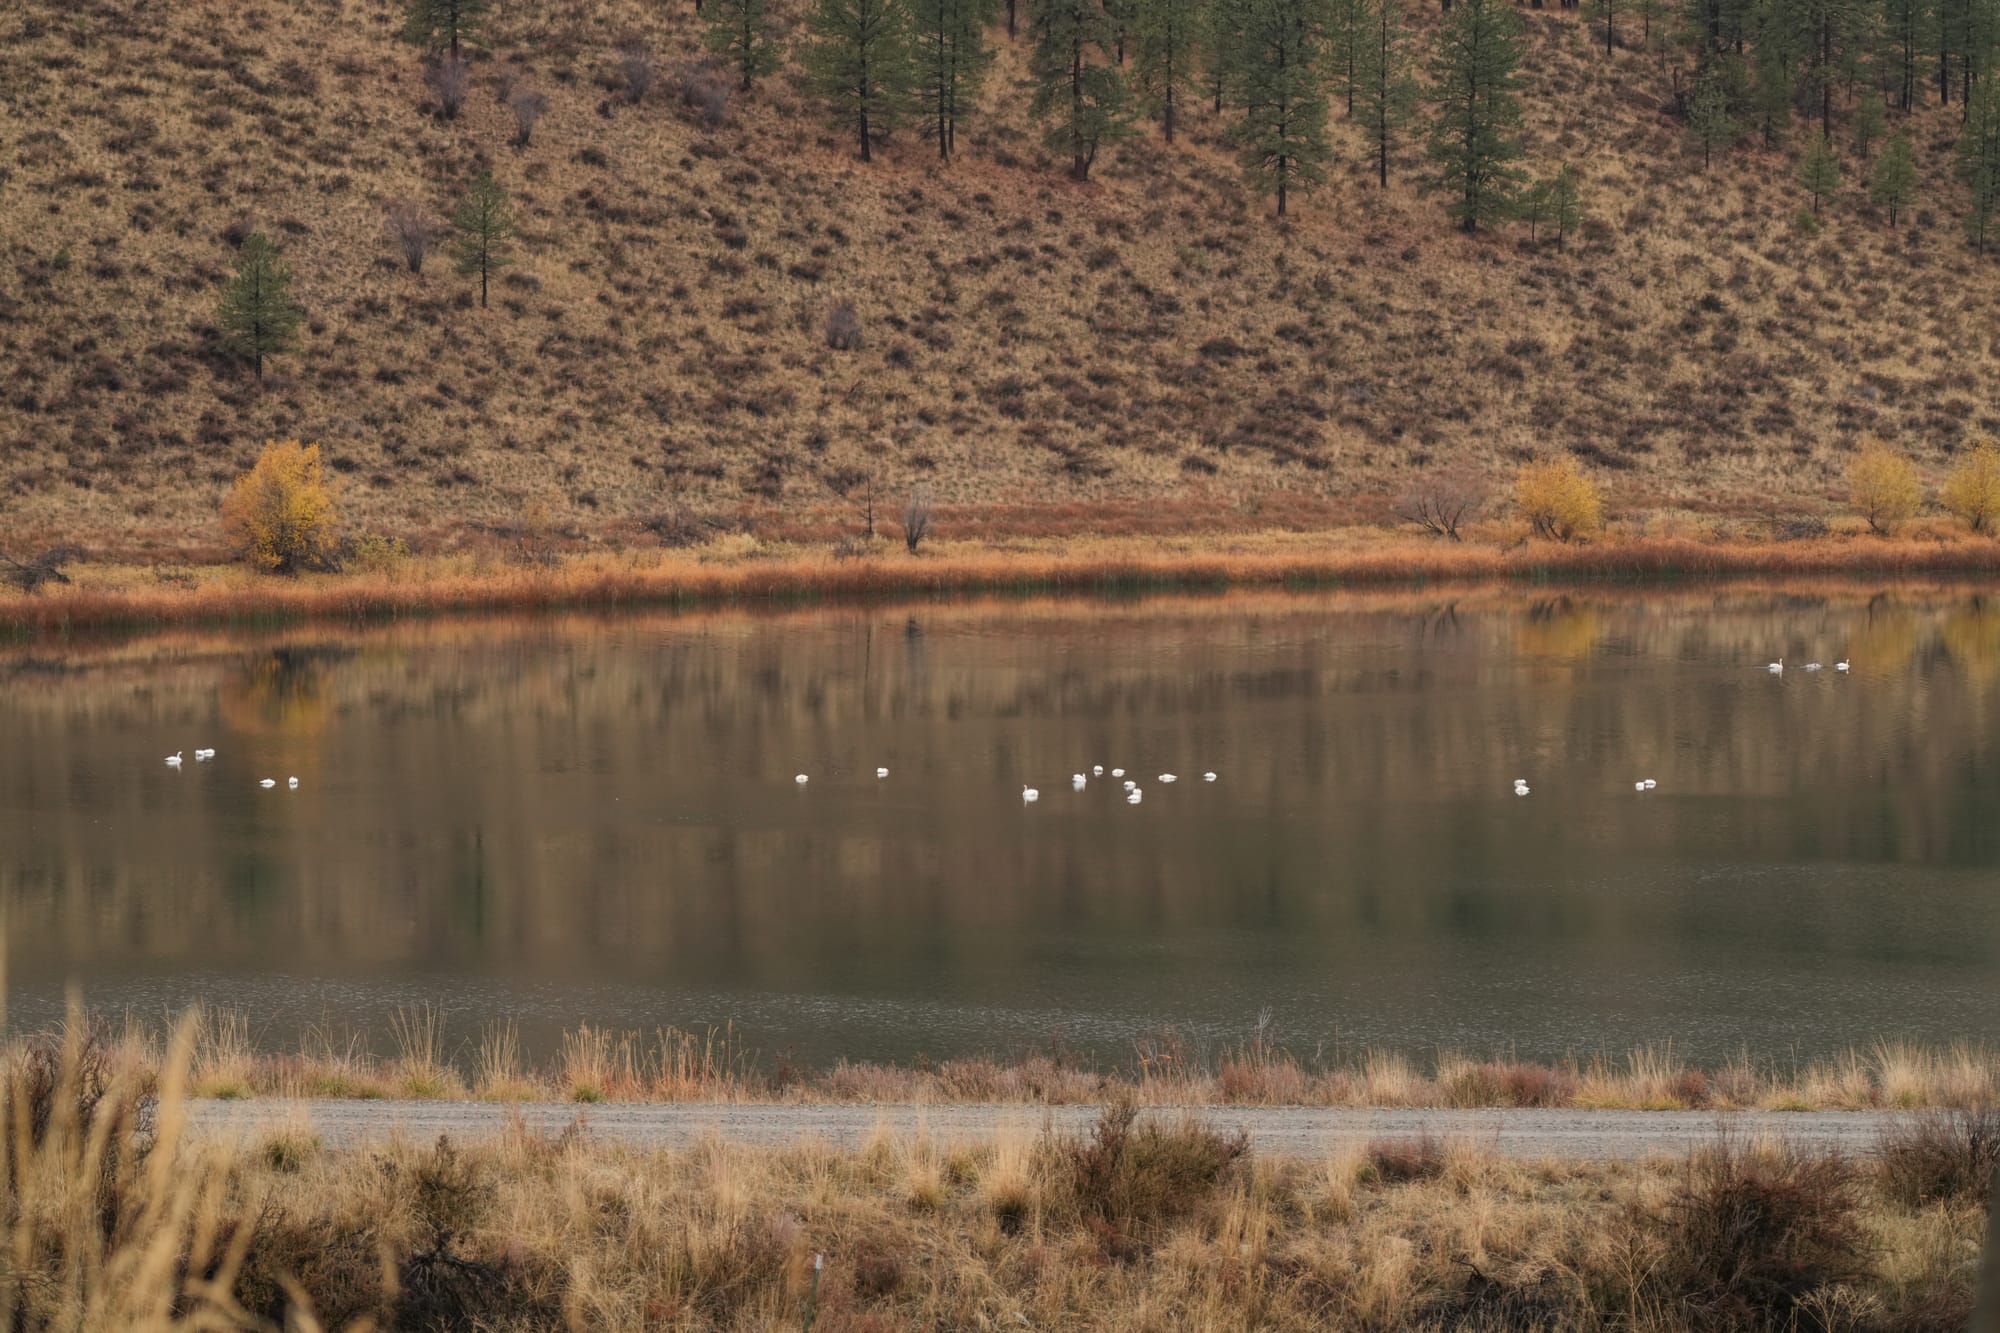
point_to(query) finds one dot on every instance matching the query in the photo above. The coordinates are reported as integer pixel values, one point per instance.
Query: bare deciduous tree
(917, 518)
(527, 106)
(411, 228)
(1443, 501)
(449, 79)
(636, 68)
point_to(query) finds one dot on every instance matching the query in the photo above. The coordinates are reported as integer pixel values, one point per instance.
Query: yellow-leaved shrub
(1972, 491)
(280, 514)
(1559, 501)
(1882, 486)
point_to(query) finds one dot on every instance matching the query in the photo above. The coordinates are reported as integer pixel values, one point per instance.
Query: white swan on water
(801, 779)
(293, 783)
(1167, 777)
(1077, 780)
(1840, 665)
(1134, 796)
(1030, 795)
(1097, 770)
(1208, 777)
(881, 772)
(174, 759)
(268, 782)
(1776, 668)
(203, 756)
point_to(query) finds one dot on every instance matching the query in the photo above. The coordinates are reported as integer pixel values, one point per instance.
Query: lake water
(596, 819)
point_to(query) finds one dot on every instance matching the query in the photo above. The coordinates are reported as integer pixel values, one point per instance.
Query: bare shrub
(1400, 1161)
(1940, 1156)
(449, 80)
(1128, 1180)
(677, 525)
(1442, 501)
(411, 228)
(1750, 1234)
(917, 518)
(30, 575)
(527, 106)
(637, 71)
(704, 92)
(842, 327)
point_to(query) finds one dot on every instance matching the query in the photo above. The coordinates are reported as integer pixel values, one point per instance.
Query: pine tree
(1474, 109)
(858, 56)
(1564, 192)
(1948, 33)
(1163, 62)
(1222, 47)
(1346, 32)
(1906, 42)
(444, 23)
(1709, 120)
(1819, 170)
(1777, 53)
(1606, 12)
(1979, 162)
(1385, 87)
(1283, 130)
(1830, 34)
(1894, 182)
(1076, 92)
(950, 57)
(258, 316)
(740, 32)
(1869, 119)
(484, 223)
(1123, 16)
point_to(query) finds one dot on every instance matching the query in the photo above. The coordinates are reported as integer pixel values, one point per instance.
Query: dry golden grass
(118, 1219)
(595, 1064)
(113, 597)
(1028, 344)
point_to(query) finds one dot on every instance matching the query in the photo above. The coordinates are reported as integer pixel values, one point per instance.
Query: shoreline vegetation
(738, 572)
(121, 1218)
(595, 1064)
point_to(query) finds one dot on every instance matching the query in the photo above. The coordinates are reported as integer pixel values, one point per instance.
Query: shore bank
(120, 597)
(601, 1065)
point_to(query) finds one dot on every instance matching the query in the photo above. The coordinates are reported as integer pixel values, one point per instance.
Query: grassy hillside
(1148, 350)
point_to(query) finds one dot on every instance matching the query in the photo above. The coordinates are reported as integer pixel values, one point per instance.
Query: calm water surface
(583, 819)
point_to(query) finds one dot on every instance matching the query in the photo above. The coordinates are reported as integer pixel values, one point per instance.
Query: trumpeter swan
(293, 783)
(174, 759)
(1030, 794)
(1208, 777)
(1777, 666)
(801, 779)
(1166, 777)
(1097, 770)
(881, 772)
(1812, 666)
(1840, 666)
(1117, 772)
(1650, 784)
(1077, 780)
(268, 782)
(1134, 796)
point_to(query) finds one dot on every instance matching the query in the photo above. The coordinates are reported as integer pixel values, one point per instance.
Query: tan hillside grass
(660, 338)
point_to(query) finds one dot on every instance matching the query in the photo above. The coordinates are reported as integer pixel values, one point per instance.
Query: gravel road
(1279, 1131)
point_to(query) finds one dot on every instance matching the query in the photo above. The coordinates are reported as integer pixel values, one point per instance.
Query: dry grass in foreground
(747, 571)
(119, 1220)
(670, 1065)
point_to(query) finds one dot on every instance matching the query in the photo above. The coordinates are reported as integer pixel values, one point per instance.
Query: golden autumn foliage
(280, 514)
(1559, 501)
(1882, 486)
(1972, 491)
